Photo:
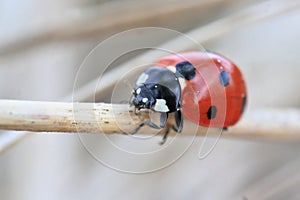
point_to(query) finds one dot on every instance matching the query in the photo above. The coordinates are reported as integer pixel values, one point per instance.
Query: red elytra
(217, 95)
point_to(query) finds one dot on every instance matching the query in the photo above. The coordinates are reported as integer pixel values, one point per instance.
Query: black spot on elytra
(212, 112)
(224, 78)
(186, 70)
(244, 102)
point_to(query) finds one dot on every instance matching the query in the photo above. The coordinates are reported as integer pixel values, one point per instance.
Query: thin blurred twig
(9, 139)
(119, 118)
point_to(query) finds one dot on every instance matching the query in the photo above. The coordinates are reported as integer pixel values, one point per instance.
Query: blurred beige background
(43, 43)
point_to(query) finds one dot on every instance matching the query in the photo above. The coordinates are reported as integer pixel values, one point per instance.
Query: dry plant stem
(258, 12)
(119, 119)
(69, 117)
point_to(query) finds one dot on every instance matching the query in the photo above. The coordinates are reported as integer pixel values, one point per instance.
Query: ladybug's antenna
(127, 82)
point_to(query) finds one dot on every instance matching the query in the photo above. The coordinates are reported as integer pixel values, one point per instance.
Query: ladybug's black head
(142, 97)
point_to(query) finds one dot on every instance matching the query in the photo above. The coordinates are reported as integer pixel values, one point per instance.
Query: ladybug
(206, 87)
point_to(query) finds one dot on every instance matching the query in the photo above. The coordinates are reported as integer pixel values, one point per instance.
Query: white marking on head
(142, 79)
(155, 86)
(172, 69)
(160, 106)
(138, 91)
(219, 61)
(145, 100)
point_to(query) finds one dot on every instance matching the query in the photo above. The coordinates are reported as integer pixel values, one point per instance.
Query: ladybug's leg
(165, 136)
(148, 122)
(178, 128)
(135, 111)
(163, 122)
(179, 122)
(163, 119)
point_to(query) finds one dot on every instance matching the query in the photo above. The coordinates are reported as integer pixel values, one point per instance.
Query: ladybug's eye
(138, 91)
(145, 100)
